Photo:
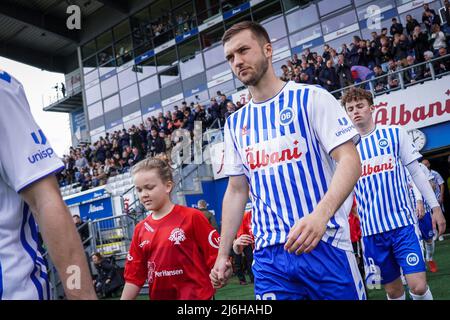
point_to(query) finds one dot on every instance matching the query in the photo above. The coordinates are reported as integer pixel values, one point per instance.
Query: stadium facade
(140, 65)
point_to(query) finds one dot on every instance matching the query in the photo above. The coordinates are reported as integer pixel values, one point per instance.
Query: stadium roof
(34, 31)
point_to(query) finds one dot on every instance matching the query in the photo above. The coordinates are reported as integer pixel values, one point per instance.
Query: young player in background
(385, 208)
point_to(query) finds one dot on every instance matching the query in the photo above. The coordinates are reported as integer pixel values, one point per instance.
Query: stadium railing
(369, 84)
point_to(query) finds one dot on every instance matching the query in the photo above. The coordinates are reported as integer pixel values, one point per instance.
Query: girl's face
(153, 193)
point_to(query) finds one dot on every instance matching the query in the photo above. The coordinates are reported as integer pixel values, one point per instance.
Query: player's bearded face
(253, 71)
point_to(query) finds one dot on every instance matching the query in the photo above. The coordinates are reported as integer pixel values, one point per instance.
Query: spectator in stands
(437, 38)
(429, 17)
(411, 23)
(419, 43)
(135, 157)
(446, 15)
(203, 207)
(81, 162)
(328, 77)
(223, 107)
(231, 108)
(444, 64)
(379, 84)
(108, 279)
(150, 253)
(393, 78)
(413, 73)
(188, 120)
(396, 27)
(400, 47)
(343, 72)
(155, 143)
(353, 55)
(285, 73)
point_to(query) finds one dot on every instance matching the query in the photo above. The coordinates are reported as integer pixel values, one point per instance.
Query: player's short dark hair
(256, 29)
(356, 94)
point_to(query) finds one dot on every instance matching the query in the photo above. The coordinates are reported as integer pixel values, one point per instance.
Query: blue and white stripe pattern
(39, 275)
(284, 154)
(382, 192)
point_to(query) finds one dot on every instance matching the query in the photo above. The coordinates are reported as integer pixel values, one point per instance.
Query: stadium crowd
(90, 165)
(382, 55)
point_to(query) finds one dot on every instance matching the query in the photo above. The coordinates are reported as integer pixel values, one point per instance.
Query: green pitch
(439, 282)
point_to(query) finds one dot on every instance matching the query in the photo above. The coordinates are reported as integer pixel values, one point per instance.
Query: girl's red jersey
(175, 254)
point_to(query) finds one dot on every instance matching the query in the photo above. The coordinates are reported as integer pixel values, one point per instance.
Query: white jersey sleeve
(232, 159)
(25, 155)
(408, 152)
(331, 124)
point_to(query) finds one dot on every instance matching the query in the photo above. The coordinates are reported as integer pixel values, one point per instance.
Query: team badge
(177, 235)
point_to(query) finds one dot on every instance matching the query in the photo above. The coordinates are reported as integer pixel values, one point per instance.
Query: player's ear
(268, 50)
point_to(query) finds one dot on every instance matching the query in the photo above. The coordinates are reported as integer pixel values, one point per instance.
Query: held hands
(438, 221)
(221, 272)
(307, 232)
(420, 211)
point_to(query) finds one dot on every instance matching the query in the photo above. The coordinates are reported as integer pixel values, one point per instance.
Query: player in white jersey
(438, 187)
(422, 219)
(29, 195)
(283, 146)
(384, 204)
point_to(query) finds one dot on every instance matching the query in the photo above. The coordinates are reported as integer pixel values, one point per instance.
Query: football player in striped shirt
(384, 205)
(293, 146)
(29, 196)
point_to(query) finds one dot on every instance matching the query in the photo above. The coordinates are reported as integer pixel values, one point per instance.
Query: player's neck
(268, 87)
(366, 128)
(163, 211)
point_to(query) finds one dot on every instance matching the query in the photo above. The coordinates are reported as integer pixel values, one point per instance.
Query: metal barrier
(109, 236)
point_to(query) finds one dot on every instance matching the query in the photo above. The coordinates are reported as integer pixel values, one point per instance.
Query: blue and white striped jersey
(25, 157)
(283, 147)
(382, 192)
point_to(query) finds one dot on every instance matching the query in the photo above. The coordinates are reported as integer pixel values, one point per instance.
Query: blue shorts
(386, 252)
(426, 227)
(326, 273)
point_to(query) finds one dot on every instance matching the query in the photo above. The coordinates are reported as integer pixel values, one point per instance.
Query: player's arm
(422, 183)
(130, 291)
(420, 209)
(308, 231)
(60, 236)
(234, 201)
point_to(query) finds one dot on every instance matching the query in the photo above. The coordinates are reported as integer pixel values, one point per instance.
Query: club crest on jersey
(383, 143)
(412, 259)
(286, 116)
(177, 236)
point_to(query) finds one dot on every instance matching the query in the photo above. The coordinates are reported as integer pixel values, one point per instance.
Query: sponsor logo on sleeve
(214, 239)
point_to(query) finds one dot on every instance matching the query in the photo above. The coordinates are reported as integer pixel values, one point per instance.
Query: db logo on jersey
(143, 243)
(214, 239)
(286, 116)
(412, 259)
(383, 143)
(129, 257)
(177, 235)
